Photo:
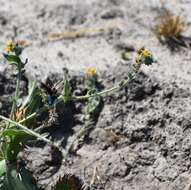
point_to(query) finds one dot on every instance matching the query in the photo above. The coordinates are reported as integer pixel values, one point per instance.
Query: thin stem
(77, 98)
(82, 131)
(28, 130)
(117, 87)
(132, 73)
(33, 115)
(28, 118)
(16, 97)
(120, 85)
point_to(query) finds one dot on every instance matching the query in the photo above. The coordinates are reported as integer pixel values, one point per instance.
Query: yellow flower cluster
(143, 52)
(10, 46)
(145, 56)
(146, 53)
(91, 72)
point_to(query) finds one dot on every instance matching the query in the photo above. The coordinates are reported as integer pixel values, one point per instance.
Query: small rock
(113, 13)
(163, 171)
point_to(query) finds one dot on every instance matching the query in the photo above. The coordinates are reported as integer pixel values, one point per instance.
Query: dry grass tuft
(170, 26)
(170, 31)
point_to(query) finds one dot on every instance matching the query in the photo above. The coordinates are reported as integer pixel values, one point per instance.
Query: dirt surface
(7, 89)
(142, 137)
(140, 141)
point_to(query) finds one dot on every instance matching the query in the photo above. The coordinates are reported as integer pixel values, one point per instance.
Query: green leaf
(17, 179)
(2, 168)
(93, 104)
(18, 50)
(33, 101)
(148, 61)
(2, 173)
(13, 59)
(14, 140)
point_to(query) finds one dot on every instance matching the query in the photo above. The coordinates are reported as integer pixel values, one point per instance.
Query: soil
(142, 136)
(7, 89)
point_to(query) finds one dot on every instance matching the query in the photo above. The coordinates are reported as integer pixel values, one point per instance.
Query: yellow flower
(10, 46)
(140, 50)
(146, 53)
(144, 56)
(91, 71)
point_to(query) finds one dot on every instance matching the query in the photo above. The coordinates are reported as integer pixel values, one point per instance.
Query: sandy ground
(121, 22)
(132, 24)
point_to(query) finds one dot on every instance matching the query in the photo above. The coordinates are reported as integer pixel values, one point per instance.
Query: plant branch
(30, 131)
(132, 73)
(12, 116)
(82, 131)
(28, 117)
(31, 116)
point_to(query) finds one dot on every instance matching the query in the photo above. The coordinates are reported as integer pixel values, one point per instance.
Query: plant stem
(29, 131)
(120, 85)
(33, 133)
(87, 96)
(16, 97)
(28, 118)
(131, 75)
(77, 98)
(82, 132)
(33, 115)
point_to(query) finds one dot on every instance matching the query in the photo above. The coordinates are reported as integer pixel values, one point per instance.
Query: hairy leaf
(13, 59)
(13, 142)
(33, 101)
(16, 178)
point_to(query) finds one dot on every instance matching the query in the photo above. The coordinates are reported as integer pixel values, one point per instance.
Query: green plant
(11, 178)
(14, 135)
(17, 130)
(92, 109)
